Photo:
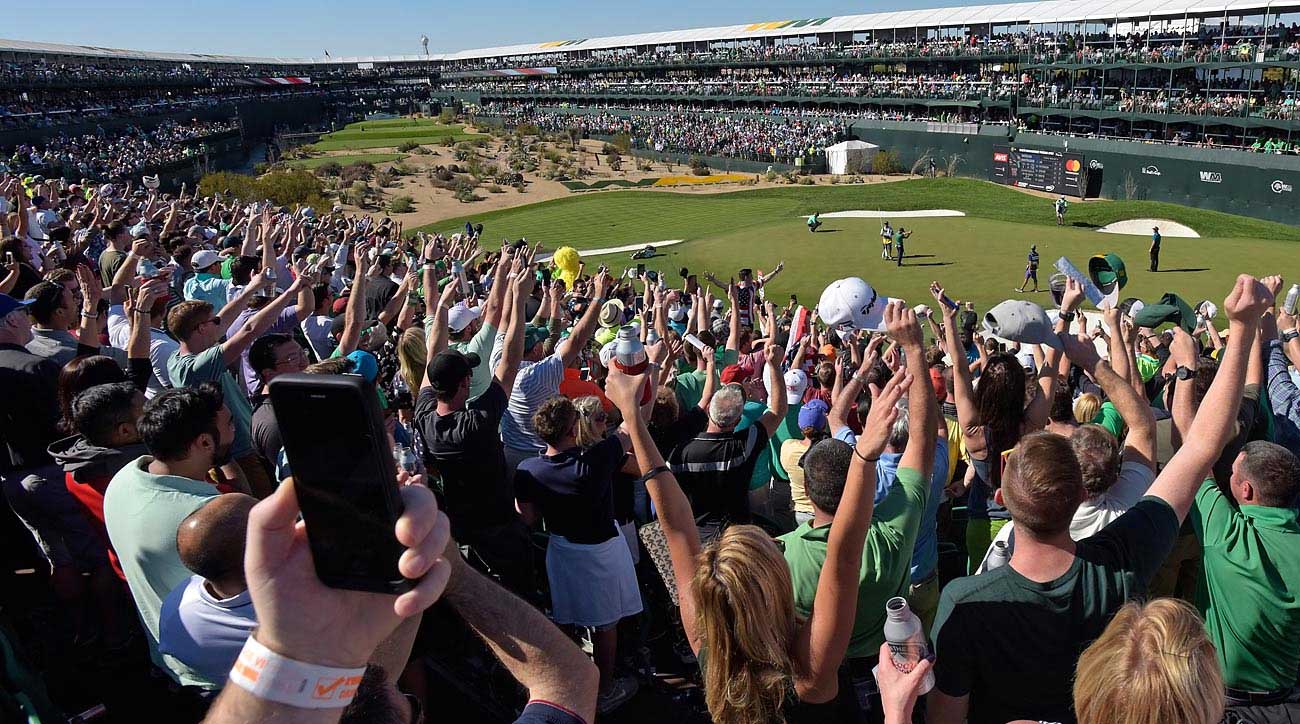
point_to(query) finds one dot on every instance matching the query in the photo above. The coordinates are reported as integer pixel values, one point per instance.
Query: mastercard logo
(1073, 165)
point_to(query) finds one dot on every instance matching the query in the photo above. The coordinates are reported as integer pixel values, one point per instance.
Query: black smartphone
(640, 270)
(345, 477)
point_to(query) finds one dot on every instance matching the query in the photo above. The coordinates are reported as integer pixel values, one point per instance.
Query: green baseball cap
(534, 336)
(1108, 273)
(1170, 308)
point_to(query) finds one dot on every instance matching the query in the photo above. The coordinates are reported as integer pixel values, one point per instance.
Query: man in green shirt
(1007, 641)
(148, 498)
(1250, 549)
(887, 557)
(203, 357)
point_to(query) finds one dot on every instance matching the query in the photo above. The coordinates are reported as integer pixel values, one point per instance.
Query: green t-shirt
(749, 416)
(191, 370)
(110, 260)
(886, 559)
(787, 430)
(1012, 643)
(142, 512)
(1108, 417)
(481, 345)
(1248, 589)
(690, 386)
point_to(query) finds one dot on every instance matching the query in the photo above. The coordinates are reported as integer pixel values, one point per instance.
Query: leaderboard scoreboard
(1052, 171)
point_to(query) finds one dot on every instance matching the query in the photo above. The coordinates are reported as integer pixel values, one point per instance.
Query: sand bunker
(616, 249)
(1142, 227)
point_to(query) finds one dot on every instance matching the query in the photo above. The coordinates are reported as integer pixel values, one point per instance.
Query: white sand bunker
(862, 214)
(616, 249)
(1142, 227)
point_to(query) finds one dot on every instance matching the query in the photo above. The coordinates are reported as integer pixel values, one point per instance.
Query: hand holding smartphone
(345, 478)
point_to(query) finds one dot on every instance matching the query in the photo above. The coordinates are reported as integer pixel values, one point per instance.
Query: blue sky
(386, 27)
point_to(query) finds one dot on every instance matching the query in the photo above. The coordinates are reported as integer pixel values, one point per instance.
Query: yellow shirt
(791, 451)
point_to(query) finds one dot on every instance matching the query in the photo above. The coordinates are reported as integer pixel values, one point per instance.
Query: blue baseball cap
(813, 414)
(364, 364)
(9, 304)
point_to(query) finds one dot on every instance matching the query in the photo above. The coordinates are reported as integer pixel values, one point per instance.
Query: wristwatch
(1289, 336)
(1068, 316)
(1184, 373)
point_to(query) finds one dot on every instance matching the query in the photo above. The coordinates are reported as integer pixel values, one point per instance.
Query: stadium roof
(1040, 12)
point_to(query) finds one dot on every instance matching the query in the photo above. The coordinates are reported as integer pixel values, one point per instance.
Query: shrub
(495, 189)
(359, 171)
(386, 179)
(770, 175)
(447, 141)
(358, 192)
(447, 115)
(401, 205)
(835, 180)
(421, 151)
(622, 142)
(284, 188)
(407, 146)
(806, 181)
(401, 169)
(615, 160)
(332, 168)
(698, 166)
(886, 162)
(465, 193)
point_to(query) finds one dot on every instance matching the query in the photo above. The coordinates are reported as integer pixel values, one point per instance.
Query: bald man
(206, 620)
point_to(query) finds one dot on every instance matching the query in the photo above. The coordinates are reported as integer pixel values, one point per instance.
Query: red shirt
(573, 387)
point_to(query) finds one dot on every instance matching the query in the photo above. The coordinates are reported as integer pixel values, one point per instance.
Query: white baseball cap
(851, 303)
(460, 316)
(204, 258)
(1021, 321)
(796, 383)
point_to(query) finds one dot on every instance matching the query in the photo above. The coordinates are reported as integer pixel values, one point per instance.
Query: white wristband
(268, 675)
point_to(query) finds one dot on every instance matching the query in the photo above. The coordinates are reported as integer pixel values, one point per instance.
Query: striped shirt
(536, 383)
(714, 471)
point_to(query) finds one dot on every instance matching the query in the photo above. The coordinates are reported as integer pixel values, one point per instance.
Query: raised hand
(1274, 285)
(1072, 298)
(1081, 351)
(902, 324)
(1248, 300)
(1183, 349)
(884, 411)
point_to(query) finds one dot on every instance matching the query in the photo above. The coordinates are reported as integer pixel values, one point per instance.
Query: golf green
(980, 257)
(388, 134)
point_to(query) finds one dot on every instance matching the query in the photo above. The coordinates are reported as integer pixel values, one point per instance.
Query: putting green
(981, 257)
(389, 134)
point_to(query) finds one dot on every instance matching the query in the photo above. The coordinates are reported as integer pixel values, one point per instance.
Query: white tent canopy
(849, 157)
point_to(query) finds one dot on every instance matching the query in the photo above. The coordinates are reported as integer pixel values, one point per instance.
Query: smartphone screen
(640, 270)
(345, 478)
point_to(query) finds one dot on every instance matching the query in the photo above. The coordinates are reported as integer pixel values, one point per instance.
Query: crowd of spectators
(777, 138)
(102, 156)
(1131, 545)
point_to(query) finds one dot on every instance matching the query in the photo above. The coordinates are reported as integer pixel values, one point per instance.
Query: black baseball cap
(448, 368)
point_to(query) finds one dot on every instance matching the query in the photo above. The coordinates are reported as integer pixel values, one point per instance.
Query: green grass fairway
(311, 163)
(980, 257)
(389, 134)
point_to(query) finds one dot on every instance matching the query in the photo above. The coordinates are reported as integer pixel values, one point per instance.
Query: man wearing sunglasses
(203, 357)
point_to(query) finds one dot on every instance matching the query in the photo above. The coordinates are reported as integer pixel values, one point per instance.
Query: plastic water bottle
(907, 643)
(1000, 556)
(458, 269)
(407, 460)
(1292, 297)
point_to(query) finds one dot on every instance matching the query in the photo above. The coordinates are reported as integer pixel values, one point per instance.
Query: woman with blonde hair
(760, 661)
(1086, 408)
(1153, 664)
(412, 358)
